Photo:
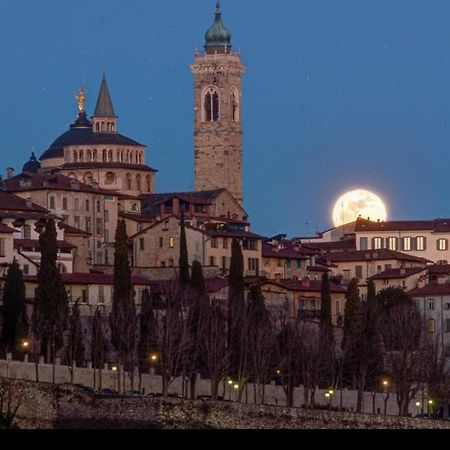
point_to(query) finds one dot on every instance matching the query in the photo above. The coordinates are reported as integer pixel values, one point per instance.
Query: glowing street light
(25, 345)
(236, 386)
(230, 381)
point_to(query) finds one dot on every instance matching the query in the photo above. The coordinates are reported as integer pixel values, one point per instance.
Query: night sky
(337, 95)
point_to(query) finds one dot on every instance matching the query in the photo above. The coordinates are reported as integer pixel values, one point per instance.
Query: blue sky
(337, 94)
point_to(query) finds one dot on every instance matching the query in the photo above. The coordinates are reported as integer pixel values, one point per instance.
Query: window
(2, 247)
(110, 178)
(211, 105)
(288, 264)
(302, 304)
(106, 235)
(170, 262)
(421, 243)
(234, 105)
(338, 306)
(212, 260)
(166, 225)
(163, 264)
(87, 205)
(141, 244)
(106, 215)
(224, 263)
(99, 206)
(225, 242)
(407, 246)
(250, 244)
(128, 181)
(171, 242)
(447, 325)
(76, 204)
(431, 325)
(377, 243)
(88, 224)
(76, 221)
(299, 263)
(442, 244)
(253, 264)
(65, 203)
(363, 243)
(214, 242)
(101, 295)
(447, 306)
(392, 243)
(431, 304)
(84, 296)
(26, 232)
(26, 269)
(138, 182)
(52, 202)
(98, 227)
(161, 242)
(359, 272)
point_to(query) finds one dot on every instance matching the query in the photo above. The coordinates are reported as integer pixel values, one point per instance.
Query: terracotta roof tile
(397, 273)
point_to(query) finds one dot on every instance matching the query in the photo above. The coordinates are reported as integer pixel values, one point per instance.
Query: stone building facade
(218, 113)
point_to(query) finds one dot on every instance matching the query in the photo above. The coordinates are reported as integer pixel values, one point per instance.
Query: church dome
(32, 166)
(218, 35)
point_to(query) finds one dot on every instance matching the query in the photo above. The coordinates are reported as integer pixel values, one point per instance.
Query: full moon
(358, 203)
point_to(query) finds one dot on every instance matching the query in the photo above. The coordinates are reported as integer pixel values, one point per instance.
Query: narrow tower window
(211, 105)
(234, 105)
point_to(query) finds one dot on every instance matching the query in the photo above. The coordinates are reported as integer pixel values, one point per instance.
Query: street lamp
(430, 407)
(385, 384)
(114, 370)
(418, 404)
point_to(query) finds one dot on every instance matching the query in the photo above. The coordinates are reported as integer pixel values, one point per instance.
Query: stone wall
(274, 395)
(64, 406)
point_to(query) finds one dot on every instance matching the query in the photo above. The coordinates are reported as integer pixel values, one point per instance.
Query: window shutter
(424, 243)
(413, 243)
(373, 244)
(402, 243)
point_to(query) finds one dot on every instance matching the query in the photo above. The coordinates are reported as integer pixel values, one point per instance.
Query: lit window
(171, 242)
(421, 243)
(407, 244)
(431, 325)
(377, 243)
(442, 244)
(393, 243)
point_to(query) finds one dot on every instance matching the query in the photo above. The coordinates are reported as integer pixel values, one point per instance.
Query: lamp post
(430, 408)
(236, 389)
(230, 383)
(329, 396)
(386, 394)
(418, 405)
(114, 370)
(25, 345)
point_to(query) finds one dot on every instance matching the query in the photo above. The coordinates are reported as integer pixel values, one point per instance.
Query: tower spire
(104, 118)
(218, 37)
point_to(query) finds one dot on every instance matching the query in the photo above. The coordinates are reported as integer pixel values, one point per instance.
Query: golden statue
(81, 97)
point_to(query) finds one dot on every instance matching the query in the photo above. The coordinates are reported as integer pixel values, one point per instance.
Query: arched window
(135, 207)
(234, 105)
(128, 181)
(127, 156)
(89, 156)
(72, 175)
(148, 182)
(110, 156)
(88, 178)
(110, 178)
(97, 126)
(138, 182)
(104, 156)
(62, 268)
(95, 155)
(80, 156)
(211, 105)
(75, 156)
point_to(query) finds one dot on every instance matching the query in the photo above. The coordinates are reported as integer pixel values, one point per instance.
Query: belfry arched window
(128, 181)
(234, 105)
(211, 105)
(148, 180)
(138, 182)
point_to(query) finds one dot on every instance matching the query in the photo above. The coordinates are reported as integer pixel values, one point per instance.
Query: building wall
(430, 252)
(406, 283)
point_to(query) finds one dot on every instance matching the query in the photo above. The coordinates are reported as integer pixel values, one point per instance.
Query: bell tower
(218, 113)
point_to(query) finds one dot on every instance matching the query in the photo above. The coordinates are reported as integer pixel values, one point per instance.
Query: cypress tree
(236, 308)
(184, 260)
(99, 346)
(51, 309)
(75, 346)
(15, 321)
(123, 320)
(326, 336)
(197, 279)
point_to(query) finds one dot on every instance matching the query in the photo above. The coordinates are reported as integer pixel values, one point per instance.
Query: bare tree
(9, 403)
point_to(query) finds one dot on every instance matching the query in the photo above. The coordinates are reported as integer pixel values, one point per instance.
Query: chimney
(9, 172)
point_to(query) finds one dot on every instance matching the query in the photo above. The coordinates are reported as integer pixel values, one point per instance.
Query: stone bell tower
(218, 113)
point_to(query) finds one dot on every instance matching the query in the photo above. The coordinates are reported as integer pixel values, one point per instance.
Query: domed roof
(32, 166)
(81, 133)
(218, 35)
